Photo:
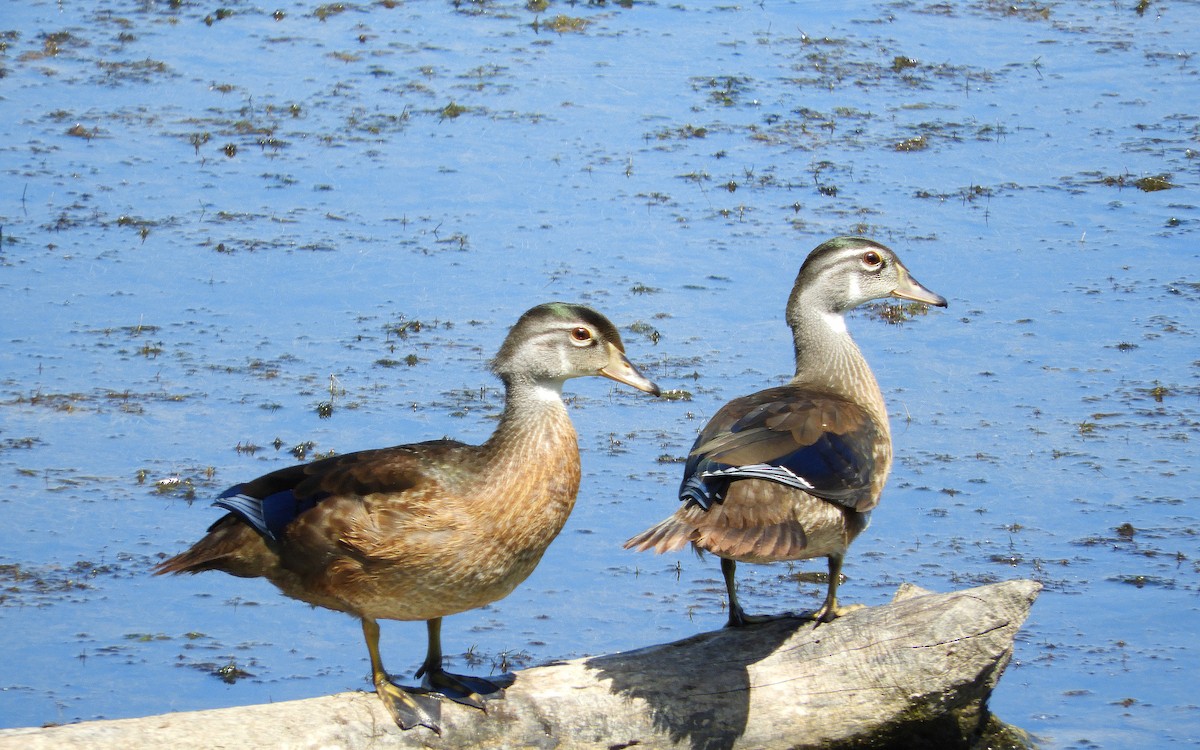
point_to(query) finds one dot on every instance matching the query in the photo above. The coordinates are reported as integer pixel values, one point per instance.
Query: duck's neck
(829, 360)
(534, 420)
(524, 488)
(534, 453)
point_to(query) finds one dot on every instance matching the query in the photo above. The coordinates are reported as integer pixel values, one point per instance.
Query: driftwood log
(913, 673)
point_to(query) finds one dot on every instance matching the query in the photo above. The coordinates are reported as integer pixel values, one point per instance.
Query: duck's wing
(292, 525)
(819, 443)
(274, 502)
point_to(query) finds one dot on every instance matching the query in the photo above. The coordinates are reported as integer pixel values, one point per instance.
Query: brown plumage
(421, 531)
(793, 472)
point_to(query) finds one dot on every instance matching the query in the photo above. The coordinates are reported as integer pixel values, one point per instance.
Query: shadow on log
(913, 673)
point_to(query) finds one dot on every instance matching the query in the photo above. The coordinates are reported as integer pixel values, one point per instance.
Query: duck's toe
(410, 707)
(465, 689)
(739, 619)
(830, 612)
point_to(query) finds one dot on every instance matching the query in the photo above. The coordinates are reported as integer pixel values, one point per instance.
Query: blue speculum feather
(270, 515)
(834, 467)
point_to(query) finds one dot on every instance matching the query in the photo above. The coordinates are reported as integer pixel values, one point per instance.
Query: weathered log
(912, 673)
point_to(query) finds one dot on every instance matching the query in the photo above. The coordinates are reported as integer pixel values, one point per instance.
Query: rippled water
(220, 222)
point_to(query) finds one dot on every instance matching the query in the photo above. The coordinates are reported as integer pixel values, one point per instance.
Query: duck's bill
(910, 288)
(620, 369)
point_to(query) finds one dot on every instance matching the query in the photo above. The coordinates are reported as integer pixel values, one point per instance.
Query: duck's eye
(581, 335)
(872, 259)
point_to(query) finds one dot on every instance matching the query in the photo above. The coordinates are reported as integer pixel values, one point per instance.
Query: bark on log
(913, 673)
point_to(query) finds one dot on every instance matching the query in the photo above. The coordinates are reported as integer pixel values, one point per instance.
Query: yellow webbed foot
(410, 707)
(830, 611)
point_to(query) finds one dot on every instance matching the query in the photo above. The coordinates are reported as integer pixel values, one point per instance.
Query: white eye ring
(872, 259)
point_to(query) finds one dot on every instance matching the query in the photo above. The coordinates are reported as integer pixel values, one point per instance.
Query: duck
(430, 529)
(792, 472)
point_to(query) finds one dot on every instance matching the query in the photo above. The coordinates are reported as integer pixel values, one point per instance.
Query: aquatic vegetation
(895, 313)
(451, 111)
(563, 24)
(1153, 183)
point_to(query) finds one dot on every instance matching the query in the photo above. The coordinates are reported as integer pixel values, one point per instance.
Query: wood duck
(792, 472)
(421, 531)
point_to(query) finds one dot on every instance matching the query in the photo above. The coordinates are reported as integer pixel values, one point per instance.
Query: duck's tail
(748, 542)
(668, 535)
(230, 545)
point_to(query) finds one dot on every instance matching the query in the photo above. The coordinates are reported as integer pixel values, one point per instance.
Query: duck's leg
(830, 610)
(469, 691)
(409, 708)
(737, 616)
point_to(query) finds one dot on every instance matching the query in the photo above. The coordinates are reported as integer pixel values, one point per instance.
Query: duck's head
(843, 273)
(558, 340)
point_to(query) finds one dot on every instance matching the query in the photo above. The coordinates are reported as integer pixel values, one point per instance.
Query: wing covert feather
(821, 443)
(273, 502)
